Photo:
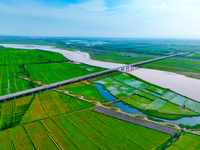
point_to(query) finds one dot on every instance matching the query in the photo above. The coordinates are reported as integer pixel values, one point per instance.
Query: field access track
(135, 120)
(78, 79)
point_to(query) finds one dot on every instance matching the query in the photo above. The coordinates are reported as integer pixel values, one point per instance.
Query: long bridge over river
(78, 79)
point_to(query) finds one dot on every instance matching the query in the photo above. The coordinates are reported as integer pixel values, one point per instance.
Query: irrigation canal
(78, 79)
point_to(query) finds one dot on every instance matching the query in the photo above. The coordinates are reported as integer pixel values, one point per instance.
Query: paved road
(70, 81)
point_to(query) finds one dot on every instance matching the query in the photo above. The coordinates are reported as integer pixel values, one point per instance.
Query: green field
(148, 97)
(39, 106)
(12, 64)
(129, 51)
(81, 130)
(51, 120)
(55, 72)
(48, 67)
(186, 66)
(85, 89)
(11, 56)
(187, 141)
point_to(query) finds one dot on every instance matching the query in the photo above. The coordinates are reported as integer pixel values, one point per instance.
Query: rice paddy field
(186, 141)
(146, 96)
(55, 72)
(47, 67)
(12, 64)
(86, 89)
(51, 120)
(39, 106)
(11, 56)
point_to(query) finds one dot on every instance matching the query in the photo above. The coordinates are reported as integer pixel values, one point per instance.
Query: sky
(101, 18)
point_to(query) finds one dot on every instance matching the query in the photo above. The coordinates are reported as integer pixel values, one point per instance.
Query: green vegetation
(186, 66)
(51, 120)
(80, 130)
(48, 67)
(129, 51)
(39, 106)
(193, 128)
(11, 56)
(86, 89)
(12, 65)
(51, 103)
(150, 99)
(12, 112)
(187, 141)
(55, 72)
(124, 57)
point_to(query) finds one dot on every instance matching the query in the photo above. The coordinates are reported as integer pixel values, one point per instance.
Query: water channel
(126, 108)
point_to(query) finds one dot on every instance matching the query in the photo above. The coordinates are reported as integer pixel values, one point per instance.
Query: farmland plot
(87, 90)
(187, 141)
(147, 96)
(55, 72)
(13, 111)
(156, 105)
(96, 130)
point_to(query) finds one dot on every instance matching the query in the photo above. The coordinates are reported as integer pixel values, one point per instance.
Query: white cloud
(145, 18)
(162, 6)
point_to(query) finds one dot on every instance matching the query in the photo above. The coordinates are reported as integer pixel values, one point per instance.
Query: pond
(126, 108)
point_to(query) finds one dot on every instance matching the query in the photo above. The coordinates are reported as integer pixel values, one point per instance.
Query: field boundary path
(143, 123)
(78, 79)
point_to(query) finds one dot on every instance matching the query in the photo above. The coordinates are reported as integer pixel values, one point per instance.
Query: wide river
(179, 83)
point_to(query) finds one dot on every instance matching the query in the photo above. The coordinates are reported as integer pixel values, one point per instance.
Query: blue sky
(101, 18)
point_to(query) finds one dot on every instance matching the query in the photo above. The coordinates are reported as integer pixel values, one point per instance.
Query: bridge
(78, 79)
